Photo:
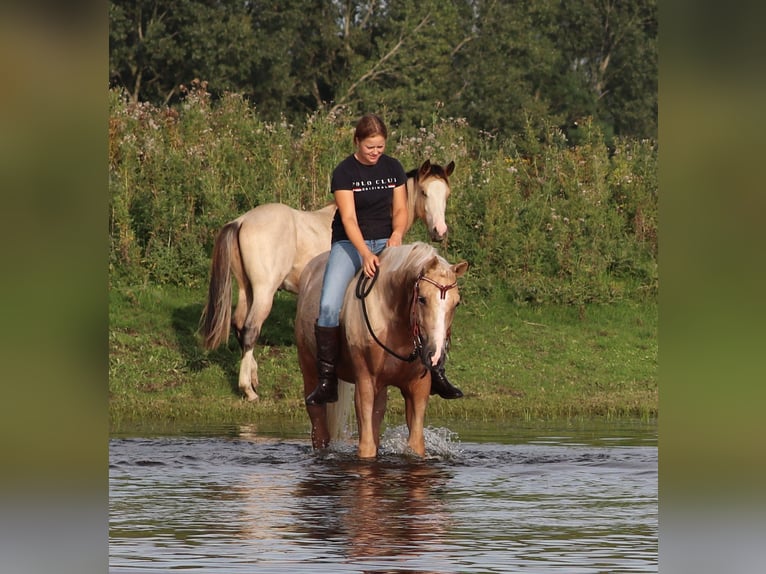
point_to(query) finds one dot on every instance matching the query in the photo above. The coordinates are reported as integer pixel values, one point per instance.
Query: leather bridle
(363, 288)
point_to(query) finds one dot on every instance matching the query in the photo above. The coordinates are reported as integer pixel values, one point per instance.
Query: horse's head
(436, 296)
(432, 189)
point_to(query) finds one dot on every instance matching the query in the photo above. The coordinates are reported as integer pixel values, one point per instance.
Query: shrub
(538, 217)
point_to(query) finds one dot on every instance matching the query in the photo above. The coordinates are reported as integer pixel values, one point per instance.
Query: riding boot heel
(441, 386)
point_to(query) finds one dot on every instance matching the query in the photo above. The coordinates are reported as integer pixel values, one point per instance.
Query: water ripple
(250, 503)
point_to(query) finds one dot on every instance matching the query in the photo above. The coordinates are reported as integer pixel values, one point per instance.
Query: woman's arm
(399, 217)
(344, 199)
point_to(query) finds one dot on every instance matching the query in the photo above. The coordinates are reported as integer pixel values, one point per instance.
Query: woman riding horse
(370, 194)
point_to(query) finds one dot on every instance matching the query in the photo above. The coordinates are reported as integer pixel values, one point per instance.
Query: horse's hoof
(410, 452)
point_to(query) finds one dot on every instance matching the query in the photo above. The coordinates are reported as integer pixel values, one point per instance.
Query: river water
(522, 497)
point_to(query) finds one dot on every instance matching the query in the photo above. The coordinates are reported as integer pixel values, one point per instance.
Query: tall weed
(539, 218)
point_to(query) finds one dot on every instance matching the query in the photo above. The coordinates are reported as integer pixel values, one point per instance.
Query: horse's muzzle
(436, 236)
(427, 357)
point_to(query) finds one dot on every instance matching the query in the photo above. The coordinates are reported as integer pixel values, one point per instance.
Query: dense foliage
(500, 65)
(538, 217)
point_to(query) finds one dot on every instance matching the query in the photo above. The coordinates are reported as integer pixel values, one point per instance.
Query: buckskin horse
(391, 328)
(267, 248)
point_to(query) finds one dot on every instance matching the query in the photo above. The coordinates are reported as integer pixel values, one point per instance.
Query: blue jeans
(343, 264)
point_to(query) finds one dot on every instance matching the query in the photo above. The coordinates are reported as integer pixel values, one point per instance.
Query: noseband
(363, 289)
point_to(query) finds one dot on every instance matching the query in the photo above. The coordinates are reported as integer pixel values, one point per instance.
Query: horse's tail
(340, 413)
(215, 322)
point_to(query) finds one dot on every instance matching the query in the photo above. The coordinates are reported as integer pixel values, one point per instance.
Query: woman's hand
(370, 263)
(395, 240)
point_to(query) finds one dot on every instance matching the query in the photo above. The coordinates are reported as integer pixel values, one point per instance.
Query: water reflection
(248, 500)
(377, 508)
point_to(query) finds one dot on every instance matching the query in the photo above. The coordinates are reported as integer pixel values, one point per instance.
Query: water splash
(343, 449)
(441, 443)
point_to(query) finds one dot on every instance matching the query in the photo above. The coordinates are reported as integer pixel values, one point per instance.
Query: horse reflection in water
(393, 508)
(391, 330)
(266, 250)
(375, 508)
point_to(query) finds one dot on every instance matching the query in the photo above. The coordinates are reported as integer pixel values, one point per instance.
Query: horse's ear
(430, 264)
(460, 268)
(433, 262)
(450, 168)
(424, 169)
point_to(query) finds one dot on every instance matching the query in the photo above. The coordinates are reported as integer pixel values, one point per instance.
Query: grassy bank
(510, 360)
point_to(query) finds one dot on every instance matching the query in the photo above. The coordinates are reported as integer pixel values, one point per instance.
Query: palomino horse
(267, 248)
(406, 314)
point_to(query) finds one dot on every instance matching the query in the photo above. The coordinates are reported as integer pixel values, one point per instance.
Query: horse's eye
(421, 300)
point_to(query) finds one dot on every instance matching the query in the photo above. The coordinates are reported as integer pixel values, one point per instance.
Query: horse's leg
(378, 411)
(267, 249)
(248, 368)
(320, 432)
(262, 300)
(415, 401)
(364, 399)
(244, 302)
(239, 321)
(244, 291)
(320, 435)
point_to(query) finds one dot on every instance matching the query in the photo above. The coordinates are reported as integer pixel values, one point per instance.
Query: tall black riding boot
(328, 342)
(441, 386)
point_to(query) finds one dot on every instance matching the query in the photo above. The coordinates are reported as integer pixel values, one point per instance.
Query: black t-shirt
(373, 187)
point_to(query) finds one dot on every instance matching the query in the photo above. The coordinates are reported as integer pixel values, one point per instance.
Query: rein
(363, 290)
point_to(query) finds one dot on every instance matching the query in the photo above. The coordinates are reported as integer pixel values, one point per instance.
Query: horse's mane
(400, 267)
(399, 263)
(392, 291)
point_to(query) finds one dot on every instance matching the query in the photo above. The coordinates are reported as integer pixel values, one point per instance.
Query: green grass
(511, 361)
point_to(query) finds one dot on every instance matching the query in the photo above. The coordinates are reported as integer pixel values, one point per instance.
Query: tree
(502, 65)
(406, 66)
(507, 69)
(298, 56)
(609, 52)
(156, 45)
